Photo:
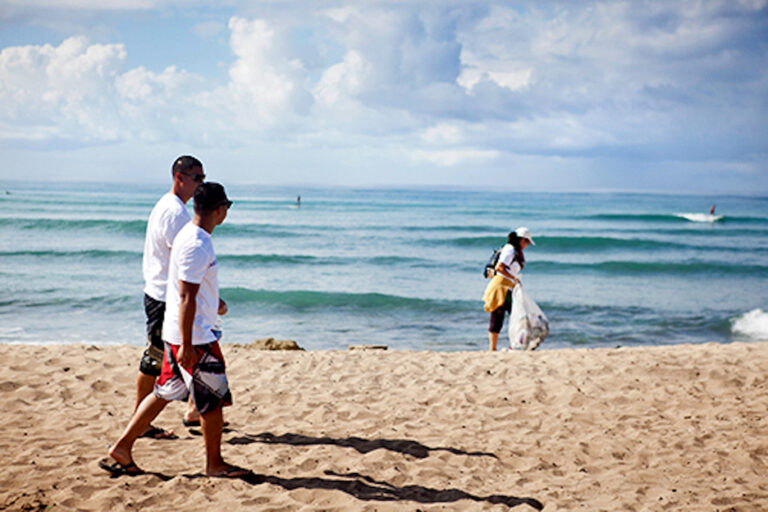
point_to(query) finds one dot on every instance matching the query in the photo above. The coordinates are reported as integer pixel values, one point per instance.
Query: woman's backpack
(490, 268)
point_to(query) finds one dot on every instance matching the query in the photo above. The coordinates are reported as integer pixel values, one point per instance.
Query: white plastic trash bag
(528, 326)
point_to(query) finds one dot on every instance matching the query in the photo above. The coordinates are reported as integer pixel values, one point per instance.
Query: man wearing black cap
(193, 365)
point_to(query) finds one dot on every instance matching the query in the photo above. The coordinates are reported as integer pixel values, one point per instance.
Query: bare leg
(148, 410)
(144, 386)
(212, 424)
(493, 339)
(191, 414)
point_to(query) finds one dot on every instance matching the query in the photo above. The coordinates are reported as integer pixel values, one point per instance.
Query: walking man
(168, 216)
(193, 365)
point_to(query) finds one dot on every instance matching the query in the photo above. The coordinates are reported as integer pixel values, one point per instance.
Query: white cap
(523, 232)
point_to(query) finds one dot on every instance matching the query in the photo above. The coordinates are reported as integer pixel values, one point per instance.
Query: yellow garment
(496, 292)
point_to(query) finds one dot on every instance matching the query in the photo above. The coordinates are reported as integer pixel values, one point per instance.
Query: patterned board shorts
(207, 383)
(152, 358)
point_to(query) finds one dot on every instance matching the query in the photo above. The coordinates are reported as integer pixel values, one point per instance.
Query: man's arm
(187, 309)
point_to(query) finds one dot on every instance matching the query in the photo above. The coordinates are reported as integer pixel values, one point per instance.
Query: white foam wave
(753, 324)
(700, 217)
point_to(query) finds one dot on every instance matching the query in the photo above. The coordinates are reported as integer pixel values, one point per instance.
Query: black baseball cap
(209, 196)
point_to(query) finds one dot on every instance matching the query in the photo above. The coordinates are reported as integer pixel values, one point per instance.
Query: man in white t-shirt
(193, 365)
(167, 218)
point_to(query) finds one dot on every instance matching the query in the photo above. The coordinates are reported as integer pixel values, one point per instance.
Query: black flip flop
(158, 433)
(117, 469)
(233, 472)
(196, 423)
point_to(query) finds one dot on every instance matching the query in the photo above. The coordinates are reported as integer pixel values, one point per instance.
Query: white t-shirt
(168, 216)
(507, 257)
(193, 261)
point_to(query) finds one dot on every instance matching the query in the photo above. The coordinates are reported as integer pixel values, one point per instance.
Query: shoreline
(678, 427)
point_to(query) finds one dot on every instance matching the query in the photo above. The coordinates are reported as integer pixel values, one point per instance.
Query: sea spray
(753, 324)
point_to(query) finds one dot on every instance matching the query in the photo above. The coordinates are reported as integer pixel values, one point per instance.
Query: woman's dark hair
(514, 241)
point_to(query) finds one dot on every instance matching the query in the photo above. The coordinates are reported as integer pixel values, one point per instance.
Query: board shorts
(207, 383)
(152, 358)
(497, 315)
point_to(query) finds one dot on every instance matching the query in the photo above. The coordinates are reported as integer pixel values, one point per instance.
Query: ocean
(395, 267)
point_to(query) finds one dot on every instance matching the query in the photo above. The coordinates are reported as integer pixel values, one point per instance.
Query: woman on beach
(497, 294)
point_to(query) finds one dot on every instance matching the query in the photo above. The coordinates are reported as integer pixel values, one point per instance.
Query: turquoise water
(395, 267)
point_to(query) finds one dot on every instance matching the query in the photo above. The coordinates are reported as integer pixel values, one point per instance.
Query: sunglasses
(226, 203)
(197, 178)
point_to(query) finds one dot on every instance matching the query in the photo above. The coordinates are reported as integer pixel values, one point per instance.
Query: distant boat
(700, 217)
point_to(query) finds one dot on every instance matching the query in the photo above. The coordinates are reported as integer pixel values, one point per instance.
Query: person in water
(712, 210)
(498, 297)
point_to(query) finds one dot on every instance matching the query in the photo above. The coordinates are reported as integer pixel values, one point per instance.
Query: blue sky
(667, 96)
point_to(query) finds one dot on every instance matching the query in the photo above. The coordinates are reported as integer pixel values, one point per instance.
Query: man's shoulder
(193, 236)
(170, 208)
(171, 201)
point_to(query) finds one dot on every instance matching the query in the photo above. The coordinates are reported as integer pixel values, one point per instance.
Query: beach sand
(652, 428)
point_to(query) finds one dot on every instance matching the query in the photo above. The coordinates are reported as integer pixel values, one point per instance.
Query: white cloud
(343, 80)
(512, 80)
(61, 92)
(255, 78)
(107, 5)
(453, 157)
(265, 85)
(442, 133)
(140, 85)
(441, 84)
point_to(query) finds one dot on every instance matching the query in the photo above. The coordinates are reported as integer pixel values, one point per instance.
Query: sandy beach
(655, 428)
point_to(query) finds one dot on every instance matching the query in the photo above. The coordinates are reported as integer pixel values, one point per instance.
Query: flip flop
(233, 472)
(117, 469)
(196, 423)
(153, 432)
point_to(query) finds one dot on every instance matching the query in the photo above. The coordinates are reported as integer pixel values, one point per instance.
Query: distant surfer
(298, 201)
(712, 210)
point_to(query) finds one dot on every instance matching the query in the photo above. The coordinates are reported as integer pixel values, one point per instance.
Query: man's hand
(223, 307)
(187, 357)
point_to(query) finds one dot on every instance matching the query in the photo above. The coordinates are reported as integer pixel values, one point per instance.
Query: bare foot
(120, 456)
(191, 420)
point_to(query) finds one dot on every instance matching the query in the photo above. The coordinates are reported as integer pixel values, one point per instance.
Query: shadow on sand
(404, 446)
(366, 488)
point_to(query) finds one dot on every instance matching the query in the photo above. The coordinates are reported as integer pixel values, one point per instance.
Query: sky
(651, 95)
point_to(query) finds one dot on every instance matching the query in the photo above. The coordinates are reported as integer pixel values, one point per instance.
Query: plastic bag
(528, 326)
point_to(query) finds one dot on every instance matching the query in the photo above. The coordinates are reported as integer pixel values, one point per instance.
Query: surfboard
(700, 217)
